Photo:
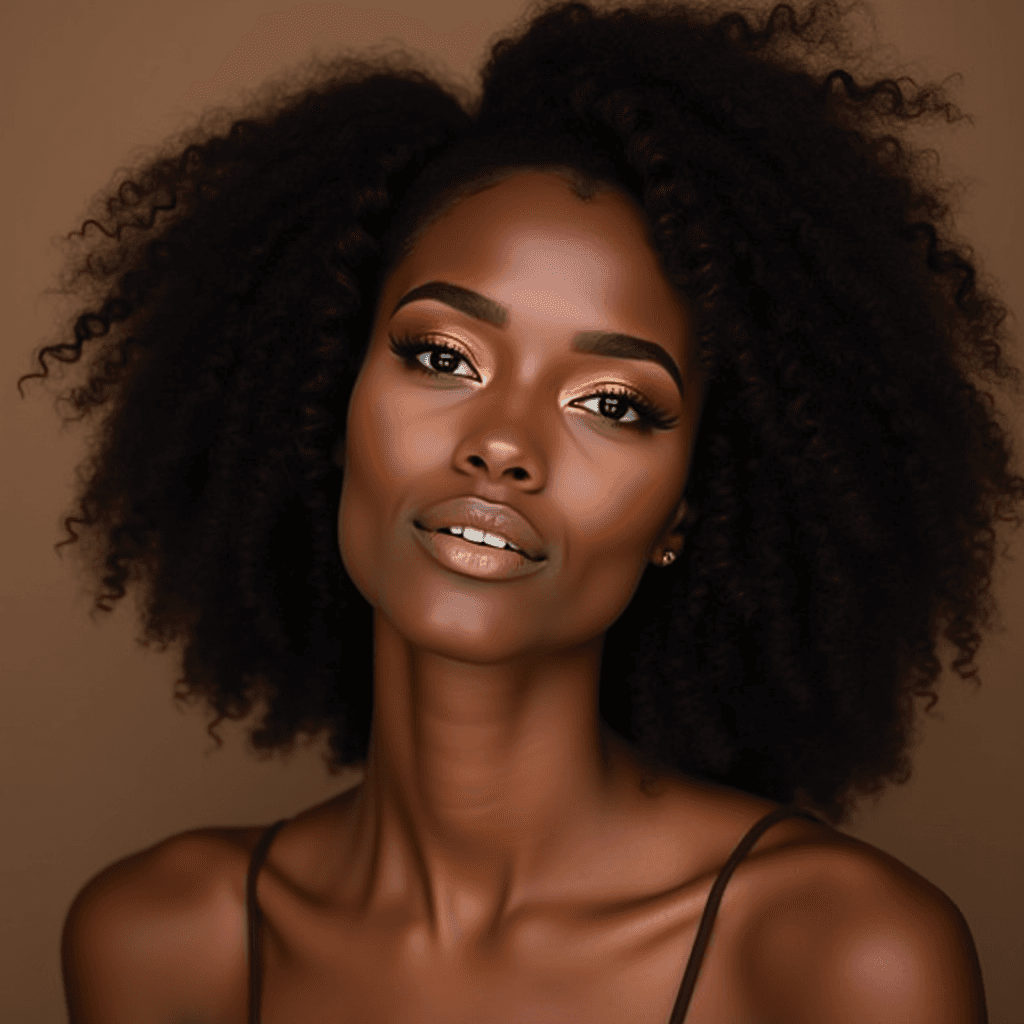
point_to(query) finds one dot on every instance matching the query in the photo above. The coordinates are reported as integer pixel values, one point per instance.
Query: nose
(501, 454)
(516, 472)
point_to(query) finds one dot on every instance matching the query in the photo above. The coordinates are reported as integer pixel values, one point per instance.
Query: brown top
(693, 965)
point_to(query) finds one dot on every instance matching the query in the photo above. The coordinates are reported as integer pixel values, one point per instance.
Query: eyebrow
(602, 343)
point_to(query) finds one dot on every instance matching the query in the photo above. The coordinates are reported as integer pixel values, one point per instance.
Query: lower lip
(468, 559)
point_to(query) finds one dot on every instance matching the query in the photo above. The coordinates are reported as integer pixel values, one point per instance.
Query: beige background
(97, 759)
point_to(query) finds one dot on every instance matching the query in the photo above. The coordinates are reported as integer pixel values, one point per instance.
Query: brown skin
(489, 771)
(501, 860)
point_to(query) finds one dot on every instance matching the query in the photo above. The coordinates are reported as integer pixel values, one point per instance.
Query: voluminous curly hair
(849, 468)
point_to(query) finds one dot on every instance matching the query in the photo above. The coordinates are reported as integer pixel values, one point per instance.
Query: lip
(470, 510)
(475, 560)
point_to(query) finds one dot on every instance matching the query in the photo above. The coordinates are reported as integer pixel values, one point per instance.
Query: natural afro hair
(848, 473)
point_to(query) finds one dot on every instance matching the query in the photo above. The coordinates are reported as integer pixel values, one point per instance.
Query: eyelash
(408, 347)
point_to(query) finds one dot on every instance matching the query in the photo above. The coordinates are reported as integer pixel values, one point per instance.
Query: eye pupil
(444, 360)
(613, 405)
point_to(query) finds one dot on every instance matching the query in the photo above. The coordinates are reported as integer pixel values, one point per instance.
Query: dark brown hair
(849, 470)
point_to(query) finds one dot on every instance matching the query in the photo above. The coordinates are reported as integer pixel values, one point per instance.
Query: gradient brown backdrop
(98, 761)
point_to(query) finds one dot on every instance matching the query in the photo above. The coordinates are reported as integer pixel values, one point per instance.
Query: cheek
(366, 486)
(619, 509)
(401, 439)
(391, 443)
(617, 517)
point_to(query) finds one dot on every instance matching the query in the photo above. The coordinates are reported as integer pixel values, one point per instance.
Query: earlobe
(671, 545)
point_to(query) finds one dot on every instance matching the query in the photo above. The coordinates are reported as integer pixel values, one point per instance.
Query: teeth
(481, 537)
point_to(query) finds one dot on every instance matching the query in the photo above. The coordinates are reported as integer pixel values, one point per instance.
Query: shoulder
(846, 933)
(160, 935)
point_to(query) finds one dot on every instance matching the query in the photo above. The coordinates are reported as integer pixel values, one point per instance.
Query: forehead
(531, 244)
(533, 202)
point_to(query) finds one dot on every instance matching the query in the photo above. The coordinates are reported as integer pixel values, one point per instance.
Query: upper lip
(494, 518)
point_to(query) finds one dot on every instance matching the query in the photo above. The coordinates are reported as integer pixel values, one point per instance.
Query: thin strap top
(252, 913)
(693, 965)
(707, 920)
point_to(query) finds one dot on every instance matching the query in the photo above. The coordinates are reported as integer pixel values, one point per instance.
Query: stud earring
(668, 556)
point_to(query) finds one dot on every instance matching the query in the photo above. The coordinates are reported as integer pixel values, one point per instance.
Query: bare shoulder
(844, 932)
(159, 936)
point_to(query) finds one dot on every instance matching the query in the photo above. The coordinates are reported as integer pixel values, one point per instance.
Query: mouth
(479, 523)
(480, 538)
(480, 561)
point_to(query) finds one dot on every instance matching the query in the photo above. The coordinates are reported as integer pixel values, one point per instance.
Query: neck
(485, 785)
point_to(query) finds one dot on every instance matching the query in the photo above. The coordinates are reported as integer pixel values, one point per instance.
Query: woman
(665, 313)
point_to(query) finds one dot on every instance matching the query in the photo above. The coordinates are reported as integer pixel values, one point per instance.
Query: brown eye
(441, 360)
(617, 403)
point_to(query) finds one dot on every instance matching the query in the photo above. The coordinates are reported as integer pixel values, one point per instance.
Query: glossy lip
(475, 560)
(470, 510)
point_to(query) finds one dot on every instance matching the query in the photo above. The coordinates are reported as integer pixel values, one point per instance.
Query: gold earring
(668, 557)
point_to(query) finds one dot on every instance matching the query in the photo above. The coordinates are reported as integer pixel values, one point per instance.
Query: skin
(489, 770)
(503, 859)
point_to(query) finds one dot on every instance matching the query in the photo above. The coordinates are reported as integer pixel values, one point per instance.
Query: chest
(627, 968)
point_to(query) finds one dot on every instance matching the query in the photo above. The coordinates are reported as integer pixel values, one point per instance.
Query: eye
(446, 361)
(617, 405)
(627, 408)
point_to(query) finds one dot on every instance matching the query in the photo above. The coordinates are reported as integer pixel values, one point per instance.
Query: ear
(673, 538)
(681, 514)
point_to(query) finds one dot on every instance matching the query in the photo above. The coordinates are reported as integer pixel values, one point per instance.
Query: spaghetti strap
(252, 912)
(700, 943)
(693, 965)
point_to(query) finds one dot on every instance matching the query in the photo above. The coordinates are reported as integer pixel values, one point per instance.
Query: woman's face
(513, 417)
